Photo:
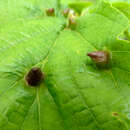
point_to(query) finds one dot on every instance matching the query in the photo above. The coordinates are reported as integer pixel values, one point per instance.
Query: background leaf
(75, 94)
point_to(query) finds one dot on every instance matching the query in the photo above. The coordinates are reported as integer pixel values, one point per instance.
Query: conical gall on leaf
(100, 57)
(72, 23)
(34, 76)
(50, 12)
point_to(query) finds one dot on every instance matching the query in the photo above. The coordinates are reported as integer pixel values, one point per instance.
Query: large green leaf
(75, 94)
(79, 6)
(120, 1)
(24, 45)
(68, 1)
(124, 7)
(24, 9)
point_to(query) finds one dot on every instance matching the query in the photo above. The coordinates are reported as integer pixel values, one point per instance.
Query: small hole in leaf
(34, 76)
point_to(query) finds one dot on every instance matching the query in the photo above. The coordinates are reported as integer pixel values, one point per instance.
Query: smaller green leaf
(110, 25)
(123, 7)
(65, 2)
(24, 9)
(119, 1)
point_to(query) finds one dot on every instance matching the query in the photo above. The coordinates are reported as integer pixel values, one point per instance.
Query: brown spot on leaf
(34, 76)
(115, 114)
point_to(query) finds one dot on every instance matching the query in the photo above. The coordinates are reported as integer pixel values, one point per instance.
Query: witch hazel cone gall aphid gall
(101, 58)
(50, 12)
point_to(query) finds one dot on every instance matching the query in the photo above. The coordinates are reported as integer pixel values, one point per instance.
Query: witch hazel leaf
(74, 94)
(27, 9)
(128, 1)
(87, 99)
(66, 2)
(108, 28)
(79, 6)
(124, 7)
(71, 87)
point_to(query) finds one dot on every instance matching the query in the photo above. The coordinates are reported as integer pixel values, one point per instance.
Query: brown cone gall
(50, 12)
(66, 12)
(34, 76)
(115, 114)
(100, 57)
(72, 23)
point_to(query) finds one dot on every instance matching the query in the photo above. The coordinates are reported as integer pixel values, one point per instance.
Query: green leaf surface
(75, 94)
(24, 9)
(28, 45)
(119, 1)
(124, 7)
(79, 6)
(68, 1)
